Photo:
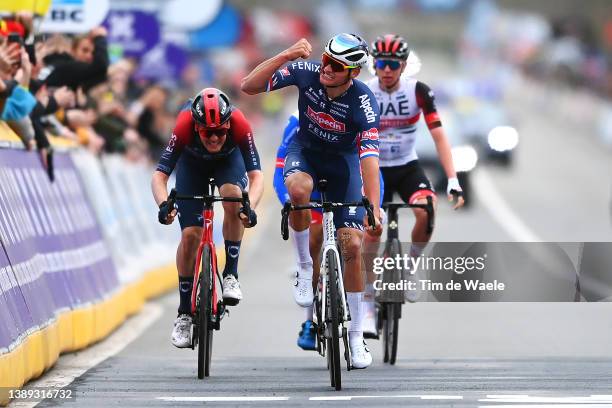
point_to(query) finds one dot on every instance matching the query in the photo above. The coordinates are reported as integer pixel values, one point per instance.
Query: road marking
(350, 397)
(525, 399)
(563, 405)
(222, 399)
(493, 201)
(71, 366)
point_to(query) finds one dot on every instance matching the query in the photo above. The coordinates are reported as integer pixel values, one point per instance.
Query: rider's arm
(159, 185)
(444, 151)
(368, 151)
(243, 136)
(426, 101)
(167, 161)
(256, 187)
(263, 77)
(371, 181)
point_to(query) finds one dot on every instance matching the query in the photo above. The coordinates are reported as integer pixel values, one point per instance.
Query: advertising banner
(74, 16)
(51, 236)
(131, 33)
(9, 325)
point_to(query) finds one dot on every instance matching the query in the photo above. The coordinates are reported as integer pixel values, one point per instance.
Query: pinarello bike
(207, 308)
(389, 302)
(331, 312)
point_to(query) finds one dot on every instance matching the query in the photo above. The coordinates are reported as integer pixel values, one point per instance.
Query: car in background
(481, 117)
(487, 126)
(465, 156)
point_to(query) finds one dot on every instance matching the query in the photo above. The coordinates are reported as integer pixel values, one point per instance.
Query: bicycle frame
(329, 244)
(206, 240)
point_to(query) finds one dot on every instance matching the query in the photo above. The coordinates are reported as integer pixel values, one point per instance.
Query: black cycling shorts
(407, 180)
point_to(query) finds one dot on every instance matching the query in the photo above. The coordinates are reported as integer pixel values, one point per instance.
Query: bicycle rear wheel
(333, 341)
(205, 328)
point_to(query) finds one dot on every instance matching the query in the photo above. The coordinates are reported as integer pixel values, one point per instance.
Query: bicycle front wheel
(391, 312)
(205, 329)
(333, 340)
(390, 331)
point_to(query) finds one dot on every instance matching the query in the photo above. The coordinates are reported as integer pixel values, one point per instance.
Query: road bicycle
(207, 308)
(389, 302)
(331, 312)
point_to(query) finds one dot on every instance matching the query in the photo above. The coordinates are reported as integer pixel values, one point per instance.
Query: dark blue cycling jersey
(346, 124)
(279, 185)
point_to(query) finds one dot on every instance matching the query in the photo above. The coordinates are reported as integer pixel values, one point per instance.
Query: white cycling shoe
(302, 290)
(360, 355)
(181, 333)
(231, 290)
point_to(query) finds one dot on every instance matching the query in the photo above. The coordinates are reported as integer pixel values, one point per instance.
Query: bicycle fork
(329, 244)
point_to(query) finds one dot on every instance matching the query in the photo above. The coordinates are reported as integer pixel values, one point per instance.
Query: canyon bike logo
(325, 121)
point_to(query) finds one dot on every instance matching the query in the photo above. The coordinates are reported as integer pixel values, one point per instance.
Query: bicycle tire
(205, 328)
(391, 331)
(391, 314)
(334, 339)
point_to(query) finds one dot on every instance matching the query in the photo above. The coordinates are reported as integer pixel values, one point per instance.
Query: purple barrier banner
(10, 326)
(19, 319)
(50, 235)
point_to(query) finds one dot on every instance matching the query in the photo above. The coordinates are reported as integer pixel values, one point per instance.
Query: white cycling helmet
(350, 49)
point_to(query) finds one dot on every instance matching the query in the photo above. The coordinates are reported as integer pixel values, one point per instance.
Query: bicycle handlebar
(327, 206)
(174, 197)
(427, 207)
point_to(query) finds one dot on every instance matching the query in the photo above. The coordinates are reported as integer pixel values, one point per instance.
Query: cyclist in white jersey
(402, 101)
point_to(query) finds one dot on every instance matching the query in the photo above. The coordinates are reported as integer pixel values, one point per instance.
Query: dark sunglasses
(209, 132)
(336, 65)
(392, 64)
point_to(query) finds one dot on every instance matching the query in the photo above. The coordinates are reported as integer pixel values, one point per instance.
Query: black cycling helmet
(390, 46)
(211, 108)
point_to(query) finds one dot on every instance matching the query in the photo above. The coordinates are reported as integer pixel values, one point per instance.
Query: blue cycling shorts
(343, 175)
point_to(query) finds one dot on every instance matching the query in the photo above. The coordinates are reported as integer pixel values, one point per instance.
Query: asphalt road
(486, 354)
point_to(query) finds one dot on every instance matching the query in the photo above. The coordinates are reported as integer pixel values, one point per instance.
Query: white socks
(416, 250)
(302, 249)
(356, 309)
(309, 311)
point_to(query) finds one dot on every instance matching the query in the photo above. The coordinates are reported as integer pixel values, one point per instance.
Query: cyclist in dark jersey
(306, 337)
(337, 140)
(211, 138)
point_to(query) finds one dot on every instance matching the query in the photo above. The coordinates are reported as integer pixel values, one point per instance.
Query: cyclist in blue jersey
(306, 337)
(337, 140)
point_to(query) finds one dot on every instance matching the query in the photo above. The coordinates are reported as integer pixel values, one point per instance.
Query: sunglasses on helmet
(335, 65)
(392, 64)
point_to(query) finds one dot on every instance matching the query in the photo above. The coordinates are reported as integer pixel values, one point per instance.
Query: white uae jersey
(399, 114)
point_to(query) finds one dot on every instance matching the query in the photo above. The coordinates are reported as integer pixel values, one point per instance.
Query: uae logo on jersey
(325, 121)
(285, 72)
(370, 134)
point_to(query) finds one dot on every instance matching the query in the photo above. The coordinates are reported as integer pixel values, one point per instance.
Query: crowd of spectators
(67, 87)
